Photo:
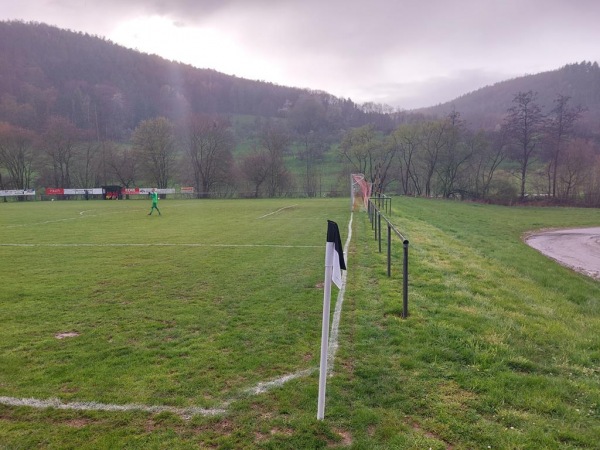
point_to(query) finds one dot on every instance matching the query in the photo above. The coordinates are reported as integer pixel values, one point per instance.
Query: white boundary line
(94, 406)
(265, 386)
(275, 212)
(189, 412)
(159, 245)
(337, 314)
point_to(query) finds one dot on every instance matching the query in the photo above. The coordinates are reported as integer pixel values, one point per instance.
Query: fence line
(375, 216)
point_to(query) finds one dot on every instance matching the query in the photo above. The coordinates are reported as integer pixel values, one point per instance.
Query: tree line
(161, 153)
(532, 153)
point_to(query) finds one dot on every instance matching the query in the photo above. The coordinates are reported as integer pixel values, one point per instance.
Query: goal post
(360, 191)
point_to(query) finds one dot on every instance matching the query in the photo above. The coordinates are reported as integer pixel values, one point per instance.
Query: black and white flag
(334, 253)
(334, 264)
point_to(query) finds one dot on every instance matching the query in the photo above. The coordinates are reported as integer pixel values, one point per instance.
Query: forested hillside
(486, 107)
(109, 90)
(78, 111)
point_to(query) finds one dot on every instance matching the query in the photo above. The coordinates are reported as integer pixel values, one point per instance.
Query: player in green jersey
(154, 196)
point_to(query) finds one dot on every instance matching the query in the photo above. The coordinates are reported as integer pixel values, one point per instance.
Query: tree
(255, 167)
(17, 155)
(359, 149)
(488, 153)
(122, 162)
(560, 128)
(407, 141)
(308, 115)
(273, 143)
(524, 125)
(433, 140)
(154, 144)
(59, 143)
(86, 167)
(454, 156)
(209, 143)
(308, 118)
(574, 173)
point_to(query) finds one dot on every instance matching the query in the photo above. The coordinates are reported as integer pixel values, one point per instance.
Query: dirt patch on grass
(346, 439)
(78, 423)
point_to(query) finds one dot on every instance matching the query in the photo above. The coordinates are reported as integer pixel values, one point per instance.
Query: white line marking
(186, 413)
(335, 325)
(95, 406)
(159, 245)
(275, 212)
(268, 385)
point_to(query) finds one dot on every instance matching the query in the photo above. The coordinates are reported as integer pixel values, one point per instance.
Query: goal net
(360, 191)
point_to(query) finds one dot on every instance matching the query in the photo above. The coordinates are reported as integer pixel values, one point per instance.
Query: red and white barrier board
(17, 192)
(63, 191)
(145, 191)
(100, 191)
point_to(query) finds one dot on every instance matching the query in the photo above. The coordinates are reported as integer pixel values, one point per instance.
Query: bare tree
(255, 167)
(560, 127)
(59, 143)
(122, 162)
(433, 140)
(524, 124)
(17, 155)
(154, 144)
(488, 153)
(87, 165)
(454, 156)
(209, 143)
(309, 118)
(574, 172)
(274, 139)
(359, 149)
(407, 141)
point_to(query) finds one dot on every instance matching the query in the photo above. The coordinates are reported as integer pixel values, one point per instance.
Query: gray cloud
(404, 53)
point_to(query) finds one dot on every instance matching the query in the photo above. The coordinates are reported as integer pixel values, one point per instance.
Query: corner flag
(334, 264)
(334, 244)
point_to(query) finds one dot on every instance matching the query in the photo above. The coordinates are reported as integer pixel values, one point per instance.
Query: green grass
(501, 348)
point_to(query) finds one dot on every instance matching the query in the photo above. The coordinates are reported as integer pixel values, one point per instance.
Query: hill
(485, 107)
(108, 89)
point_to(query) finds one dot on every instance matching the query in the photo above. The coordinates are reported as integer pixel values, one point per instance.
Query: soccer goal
(360, 191)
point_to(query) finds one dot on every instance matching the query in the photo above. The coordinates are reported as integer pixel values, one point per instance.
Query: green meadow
(203, 313)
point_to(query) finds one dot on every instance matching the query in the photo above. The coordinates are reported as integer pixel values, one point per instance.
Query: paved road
(578, 249)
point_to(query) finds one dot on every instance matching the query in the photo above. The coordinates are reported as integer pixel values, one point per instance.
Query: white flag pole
(329, 254)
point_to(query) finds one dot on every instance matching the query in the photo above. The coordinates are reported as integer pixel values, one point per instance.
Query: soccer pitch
(103, 304)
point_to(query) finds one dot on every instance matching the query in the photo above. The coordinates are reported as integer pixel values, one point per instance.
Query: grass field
(206, 305)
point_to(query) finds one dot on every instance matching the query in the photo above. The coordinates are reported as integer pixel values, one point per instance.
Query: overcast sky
(404, 53)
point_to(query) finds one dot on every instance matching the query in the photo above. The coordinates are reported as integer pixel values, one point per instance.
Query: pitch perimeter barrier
(375, 216)
(382, 200)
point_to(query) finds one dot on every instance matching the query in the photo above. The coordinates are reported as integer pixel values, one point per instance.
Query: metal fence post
(389, 251)
(375, 217)
(405, 282)
(379, 230)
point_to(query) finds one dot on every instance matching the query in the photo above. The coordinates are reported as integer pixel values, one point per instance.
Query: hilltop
(109, 89)
(485, 107)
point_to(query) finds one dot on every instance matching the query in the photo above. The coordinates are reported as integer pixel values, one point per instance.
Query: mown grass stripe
(160, 245)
